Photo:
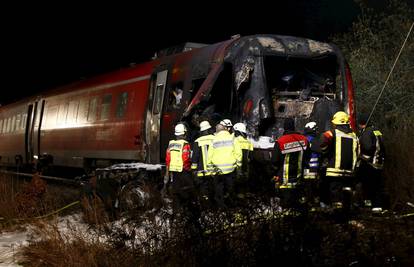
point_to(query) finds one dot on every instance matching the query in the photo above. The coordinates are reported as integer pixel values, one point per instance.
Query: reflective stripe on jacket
(223, 156)
(291, 148)
(178, 156)
(312, 160)
(345, 152)
(246, 147)
(200, 156)
(372, 147)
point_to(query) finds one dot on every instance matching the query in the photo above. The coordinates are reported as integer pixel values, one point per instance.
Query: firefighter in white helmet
(178, 162)
(223, 159)
(311, 170)
(243, 144)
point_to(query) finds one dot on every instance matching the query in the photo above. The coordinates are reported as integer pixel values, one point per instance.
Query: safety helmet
(180, 129)
(311, 126)
(241, 127)
(340, 118)
(204, 125)
(226, 123)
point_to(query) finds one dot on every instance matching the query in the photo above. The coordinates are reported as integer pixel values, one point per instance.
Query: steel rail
(45, 177)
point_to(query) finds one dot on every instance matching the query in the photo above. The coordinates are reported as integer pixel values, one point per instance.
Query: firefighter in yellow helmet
(340, 148)
(223, 159)
(199, 160)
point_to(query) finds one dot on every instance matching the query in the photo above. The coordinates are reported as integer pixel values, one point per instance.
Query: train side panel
(102, 122)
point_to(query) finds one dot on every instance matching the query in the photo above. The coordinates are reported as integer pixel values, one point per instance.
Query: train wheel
(133, 196)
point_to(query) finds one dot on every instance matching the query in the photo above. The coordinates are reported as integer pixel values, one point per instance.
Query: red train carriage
(129, 115)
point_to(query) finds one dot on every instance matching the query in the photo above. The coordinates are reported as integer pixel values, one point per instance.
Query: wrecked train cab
(264, 79)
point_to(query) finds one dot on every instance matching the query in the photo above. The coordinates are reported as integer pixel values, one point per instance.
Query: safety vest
(245, 146)
(203, 143)
(292, 147)
(312, 160)
(223, 156)
(176, 153)
(345, 153)
(377, 159)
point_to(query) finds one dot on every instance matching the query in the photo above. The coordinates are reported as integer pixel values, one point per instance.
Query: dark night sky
(43, 49)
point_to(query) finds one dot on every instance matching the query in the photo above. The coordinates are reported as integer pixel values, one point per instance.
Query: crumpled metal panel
(318, 47)
(243, 74)
(246, 55)
(271, 43)
(293, 108)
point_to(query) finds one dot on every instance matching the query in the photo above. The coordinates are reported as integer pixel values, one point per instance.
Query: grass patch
(22, 201)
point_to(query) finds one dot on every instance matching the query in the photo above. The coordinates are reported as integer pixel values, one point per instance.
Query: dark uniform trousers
(224, 189)
(372, 183)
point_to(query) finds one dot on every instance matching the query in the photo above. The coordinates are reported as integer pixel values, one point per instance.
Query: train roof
(263, 43)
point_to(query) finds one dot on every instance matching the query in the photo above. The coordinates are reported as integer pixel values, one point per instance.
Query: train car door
(28, 145)
(38, 127)
(33, 129)
(154, 113)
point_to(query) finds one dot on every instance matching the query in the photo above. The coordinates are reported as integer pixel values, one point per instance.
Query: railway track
(45, 177)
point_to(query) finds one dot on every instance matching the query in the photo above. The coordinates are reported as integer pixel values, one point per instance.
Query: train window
(93, 104)
(51, 117)
(5, 126)
(122, 104)
(62, 113)
(24, 120)
(73, 111)
(13, 124)
(106, 106)
(175, 96)
(83, 110)
(158, 98)
(18, 119)
(9, 125)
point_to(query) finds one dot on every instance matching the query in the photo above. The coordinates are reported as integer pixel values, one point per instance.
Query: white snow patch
(136, 166)
(12, 242)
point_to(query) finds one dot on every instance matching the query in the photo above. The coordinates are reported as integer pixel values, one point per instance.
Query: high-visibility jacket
(246, 147)
(178, 156)
(343, 152)
(312, 161)
(200, 155)
(290, 149)
(223, 155)
(372, 147)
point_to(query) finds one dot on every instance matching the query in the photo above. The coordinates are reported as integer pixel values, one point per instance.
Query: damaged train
(129, 115)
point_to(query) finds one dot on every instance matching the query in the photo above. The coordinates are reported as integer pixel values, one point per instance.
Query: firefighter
(229, 125)
(288, 157)
(340, 147)
(199, 160)
(371, 163)
(223, 159)
(178, 161)
(312, 164)
(246, 148)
